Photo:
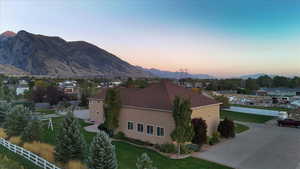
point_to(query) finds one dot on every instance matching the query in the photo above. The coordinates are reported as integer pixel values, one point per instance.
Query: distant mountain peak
(53, 56)
(8, 34)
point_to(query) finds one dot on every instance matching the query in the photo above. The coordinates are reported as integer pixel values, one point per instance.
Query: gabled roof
(159, 96)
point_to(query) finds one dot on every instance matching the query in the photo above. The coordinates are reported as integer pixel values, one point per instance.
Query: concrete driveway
(261, 147)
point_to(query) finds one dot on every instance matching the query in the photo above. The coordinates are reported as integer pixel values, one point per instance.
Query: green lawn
(127, 153)
(239, 128)
(46, 111)
(262, 107)
(244, 117)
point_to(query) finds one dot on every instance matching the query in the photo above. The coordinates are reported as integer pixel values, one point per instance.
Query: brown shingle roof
(159, 96)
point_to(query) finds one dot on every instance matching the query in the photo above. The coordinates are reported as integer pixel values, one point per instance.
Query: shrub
(144, 162)
(193, 147)
(214, 139)
(226, 128)
(75, 165)
(15, 140)
(119, 135)
(184, 149)
(42, 149)
(200, 129)
(167, 148)
(3, 133)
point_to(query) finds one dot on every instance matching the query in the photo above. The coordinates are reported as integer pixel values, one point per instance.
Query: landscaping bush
(75, 165)
(226, 128)
(184, 149)
(200, 130)
(3, 133)
(167, 148)
(214, 139)
(106, 130)
(193, 147)
(120, 135)
(42, 149)
(15, 140)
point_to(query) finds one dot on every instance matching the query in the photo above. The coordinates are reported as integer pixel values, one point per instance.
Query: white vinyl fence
(37, 160)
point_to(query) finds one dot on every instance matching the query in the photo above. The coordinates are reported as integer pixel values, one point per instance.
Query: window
(160, 131)
(140, 128)
(150, 130)
(130, 125)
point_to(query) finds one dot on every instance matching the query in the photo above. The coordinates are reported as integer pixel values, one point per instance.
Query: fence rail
(37, 160)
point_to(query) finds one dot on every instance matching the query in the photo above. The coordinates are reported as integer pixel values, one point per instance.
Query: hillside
(53, 56)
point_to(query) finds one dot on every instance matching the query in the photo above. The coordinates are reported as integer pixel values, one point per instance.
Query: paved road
(261, 147)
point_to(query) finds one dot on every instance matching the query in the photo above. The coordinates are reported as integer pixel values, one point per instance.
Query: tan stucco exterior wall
(147, 117)
(211, 114)
(156, 118)
(96, 110)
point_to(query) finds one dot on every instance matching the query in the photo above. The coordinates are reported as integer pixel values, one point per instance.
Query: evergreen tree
(4, 108)
(183, 131)
(16, 120)
(144, 162)
(102, 153)
(33, 131)
(70, 144)
(112, 107)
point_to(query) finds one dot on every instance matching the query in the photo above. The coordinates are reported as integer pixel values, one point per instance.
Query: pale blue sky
(222, 38)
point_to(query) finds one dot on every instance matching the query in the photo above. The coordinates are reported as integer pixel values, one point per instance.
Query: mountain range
(53, 56)
(176, 75)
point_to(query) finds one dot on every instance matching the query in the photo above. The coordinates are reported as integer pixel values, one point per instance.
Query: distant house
(146, 114)
(281, 92)
(69, 87)
(21, 89)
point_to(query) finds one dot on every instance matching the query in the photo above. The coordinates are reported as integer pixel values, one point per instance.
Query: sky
(221, 38)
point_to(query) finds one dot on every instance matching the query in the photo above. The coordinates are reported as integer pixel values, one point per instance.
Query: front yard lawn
(239, 128)
(244, 117)
(127, 153)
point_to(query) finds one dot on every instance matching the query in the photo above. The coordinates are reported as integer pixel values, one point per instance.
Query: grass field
(245, 117)
(261, 107)
(239, 128)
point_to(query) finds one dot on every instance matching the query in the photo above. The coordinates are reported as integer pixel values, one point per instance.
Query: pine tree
(4, 109)
(102, 153)
(33, 131)
(16, 120)
(144, 162)
(70, 144)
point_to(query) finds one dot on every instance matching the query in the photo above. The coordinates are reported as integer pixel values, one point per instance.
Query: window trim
(161, 128)
(132, 125)
(137, 128)
(153, 126)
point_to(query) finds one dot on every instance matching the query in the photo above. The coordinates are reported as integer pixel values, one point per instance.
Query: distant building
(280, 92)
(20, 90)
(69, 87)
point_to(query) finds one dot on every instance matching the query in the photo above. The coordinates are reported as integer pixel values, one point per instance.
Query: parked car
(288, 122)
